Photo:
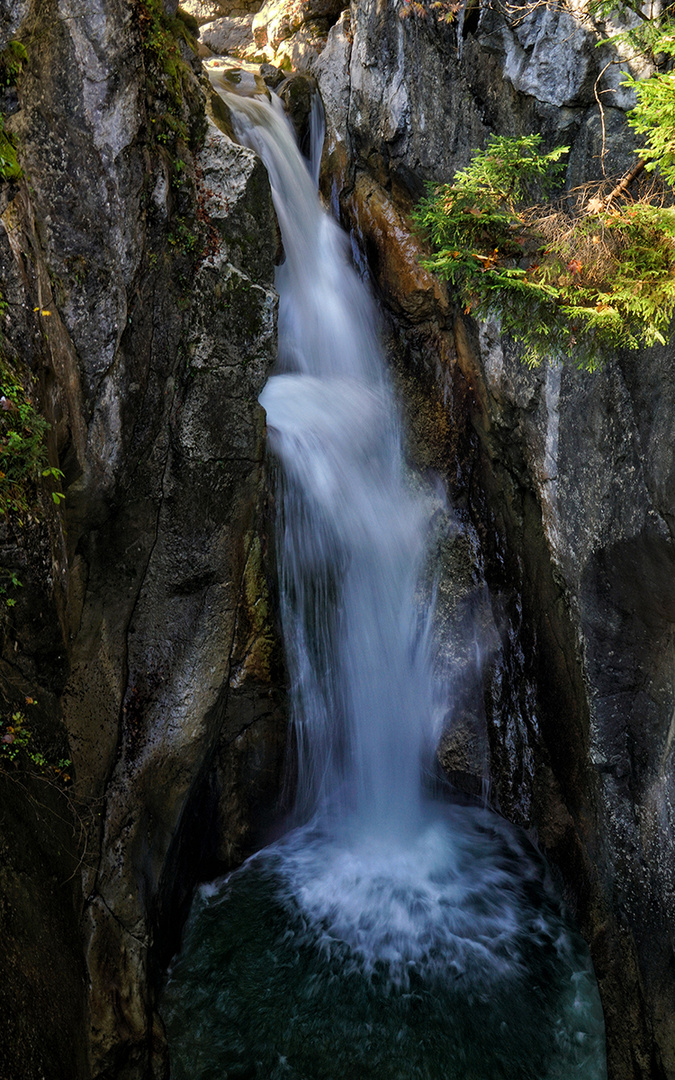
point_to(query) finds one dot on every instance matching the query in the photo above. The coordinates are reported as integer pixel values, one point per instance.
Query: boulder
(206, 11)
(278, 20)
(232, 35)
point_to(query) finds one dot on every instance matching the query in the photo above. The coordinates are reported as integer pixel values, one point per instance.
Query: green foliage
(652, 36)
(23, 450)
(176, 118)
(161, 44)
(507, 168)
(640, 30)
(182, 237)
(654, 114)
(475, 215)
(18, 746)
(8, 580)
(442, 11)
(12, 59)
(9, 165)
(562, 281)
(582, 279)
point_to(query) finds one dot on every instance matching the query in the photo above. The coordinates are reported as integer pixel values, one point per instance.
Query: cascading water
(386, 935)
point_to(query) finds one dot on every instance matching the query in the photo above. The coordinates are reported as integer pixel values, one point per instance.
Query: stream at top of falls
(388, 935)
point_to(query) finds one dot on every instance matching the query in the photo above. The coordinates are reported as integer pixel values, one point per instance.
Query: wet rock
(250, 768)
(464, 753)
(235, 189)
(271, 75)
(332, 74)
(297, 92)
(243, 81)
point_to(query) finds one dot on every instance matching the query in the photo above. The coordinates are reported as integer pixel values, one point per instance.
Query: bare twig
(602, 115)
(78, 817)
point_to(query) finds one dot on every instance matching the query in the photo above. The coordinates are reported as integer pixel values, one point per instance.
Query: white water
(375, 867)
(353, 535)
(407, 884)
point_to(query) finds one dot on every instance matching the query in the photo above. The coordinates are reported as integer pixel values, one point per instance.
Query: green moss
(9, 165)
(190, 25)
(182, 236)
(219, 113)
(255, 626)
(176, 126)
(12, 59)
(169, 77)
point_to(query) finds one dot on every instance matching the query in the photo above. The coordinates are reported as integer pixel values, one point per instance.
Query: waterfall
(352, 531)
(438, 919)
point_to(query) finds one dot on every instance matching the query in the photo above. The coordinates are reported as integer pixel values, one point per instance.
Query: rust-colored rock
(387, 238)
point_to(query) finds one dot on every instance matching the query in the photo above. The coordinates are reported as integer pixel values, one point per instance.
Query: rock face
(563, 483)
(143, 628)
(205, 11)
(181, 628)
(232, 35)
(590, 526)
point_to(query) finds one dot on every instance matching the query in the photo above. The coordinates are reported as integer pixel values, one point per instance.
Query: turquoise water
(505, 991)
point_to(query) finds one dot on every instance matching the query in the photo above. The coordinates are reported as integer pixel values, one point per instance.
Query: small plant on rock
(23, 449)
(18, 746)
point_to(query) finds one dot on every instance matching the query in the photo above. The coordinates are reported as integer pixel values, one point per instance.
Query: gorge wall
(567, 480)
(137, 258)
(144, 625)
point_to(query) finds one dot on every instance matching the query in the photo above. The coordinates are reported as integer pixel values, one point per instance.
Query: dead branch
(598, 204)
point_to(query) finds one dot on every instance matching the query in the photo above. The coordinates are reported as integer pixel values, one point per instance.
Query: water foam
(436, 907)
